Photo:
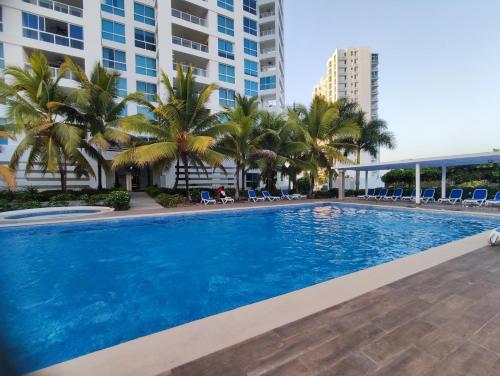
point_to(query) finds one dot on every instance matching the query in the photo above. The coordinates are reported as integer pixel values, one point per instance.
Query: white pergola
(417, 164)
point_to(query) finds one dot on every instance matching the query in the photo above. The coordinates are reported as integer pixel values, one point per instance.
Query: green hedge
(169, 201)
(119, 200)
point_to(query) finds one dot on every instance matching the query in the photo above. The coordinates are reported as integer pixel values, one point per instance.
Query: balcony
(267, 14)
(196, 71)
(268, 32)
(189, 44)
(264, 51)
(52, 31)
(73, 8)
(268, 68)
(189, 17)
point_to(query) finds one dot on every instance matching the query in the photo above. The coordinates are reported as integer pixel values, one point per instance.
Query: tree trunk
(186, 176)
(237, 192)
(330, 179)
(63, 172)
(311, 180)
(289, 182)
(243, 177)
(358, 160)
(99, 175)
(176, 183)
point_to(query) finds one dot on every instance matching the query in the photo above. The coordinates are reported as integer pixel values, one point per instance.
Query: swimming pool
(70, 289)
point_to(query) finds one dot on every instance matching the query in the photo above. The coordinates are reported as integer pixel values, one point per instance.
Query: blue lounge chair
(428, 195)
(383, 194)
(267, 196)
(454, 197)
(206, 199)
(494, 201)
(285, 195)
(398, 193)
(227, 200)
(479, 197)
(252, 196)
(369, 193)
(373, 196)
(410, 197)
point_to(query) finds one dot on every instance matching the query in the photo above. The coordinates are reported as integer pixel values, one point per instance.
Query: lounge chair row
(479, 196)
(252, 196)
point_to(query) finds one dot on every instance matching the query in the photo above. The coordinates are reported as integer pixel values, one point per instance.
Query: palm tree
(373, 135)
(321, 133)
(102, 110)
(239, 141)
(184, 129)
(7, 174)
(38, 108)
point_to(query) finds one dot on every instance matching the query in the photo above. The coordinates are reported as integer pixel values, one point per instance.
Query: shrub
(29, 194)
(153, 191)
(303, 185)
(4, 205)
(169, 201)
(61, 199)
(119, 200)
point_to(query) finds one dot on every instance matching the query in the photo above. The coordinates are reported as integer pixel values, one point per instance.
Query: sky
(439, 66)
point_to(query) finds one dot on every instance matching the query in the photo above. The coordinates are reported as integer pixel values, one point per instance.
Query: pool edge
(161, 351)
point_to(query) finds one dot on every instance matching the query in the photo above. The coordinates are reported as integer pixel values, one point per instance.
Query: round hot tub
(52, 213)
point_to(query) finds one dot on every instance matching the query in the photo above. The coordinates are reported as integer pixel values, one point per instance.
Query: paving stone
(293, 368)
(355, 364)
(449, 307)
(401, 315)
(489, 335)
(412, 362)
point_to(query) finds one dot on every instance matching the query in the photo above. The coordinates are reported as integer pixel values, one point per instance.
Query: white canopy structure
(417, 164)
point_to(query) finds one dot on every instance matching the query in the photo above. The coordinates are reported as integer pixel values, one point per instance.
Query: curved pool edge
(58, 212)
(164, 350)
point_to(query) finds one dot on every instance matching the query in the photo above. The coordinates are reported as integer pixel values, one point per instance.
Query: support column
(417, 183)
(341, 185)
(366, 183)
(443, 181)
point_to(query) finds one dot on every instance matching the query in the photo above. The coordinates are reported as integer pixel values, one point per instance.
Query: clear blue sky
(439, 74)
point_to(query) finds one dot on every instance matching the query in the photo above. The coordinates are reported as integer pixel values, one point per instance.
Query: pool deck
(442, 321)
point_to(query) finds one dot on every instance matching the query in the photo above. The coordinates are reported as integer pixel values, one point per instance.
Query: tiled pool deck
(441, 321)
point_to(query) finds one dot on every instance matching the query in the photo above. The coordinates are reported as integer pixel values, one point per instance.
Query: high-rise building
(237, 44)
(352, 73)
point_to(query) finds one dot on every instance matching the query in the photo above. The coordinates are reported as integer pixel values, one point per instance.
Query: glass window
(34, 28)
(226, 97)
(146, 112)
(225, 25)
(226, 4)
(226, 49)
(2, 57)
(122, 87)
(144, 14)
(226, 73)
(3, 140)
(1, 19)
(114, 31)
(268, 83)
(251, 68)
(147, 88)
(251, 88)
(250, 47)
(250, 6)
(114, 59)
(145, 39)
(113, 6)
(249, 26)
(145, 65)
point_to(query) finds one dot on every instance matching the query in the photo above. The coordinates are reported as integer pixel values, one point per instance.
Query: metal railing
(268, 68)
(59, 39)
(188, 17)
(264, 33)
(196, 71)
(267, 50)
(54, 72)
(267, 14)
(189, 44)
(57, 6)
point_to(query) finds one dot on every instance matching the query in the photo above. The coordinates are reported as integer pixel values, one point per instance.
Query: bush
(303, 185)
(61, 199)
(94, 199)
(29, 194)
(4, 205)
(119, 200)
(153, 191)
(169, 201)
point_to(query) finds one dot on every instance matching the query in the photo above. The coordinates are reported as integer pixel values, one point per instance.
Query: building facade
(353, 73)
(237, 44)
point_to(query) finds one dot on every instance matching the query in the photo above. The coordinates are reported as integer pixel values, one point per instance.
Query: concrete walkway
(142, 201)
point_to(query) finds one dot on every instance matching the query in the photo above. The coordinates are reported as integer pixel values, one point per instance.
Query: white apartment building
(237, 44)
(353, 73)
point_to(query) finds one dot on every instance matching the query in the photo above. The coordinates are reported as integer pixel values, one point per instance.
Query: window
(68, 35)
(145, 39)
(114, 31)
(144, 14)
(250, 6)
(252, 180)
(148, 89)
(124, 111)
(268, 83)
(226, 49)
(225, 25)
(113, 6)
(3, 140)
(251, 88)
(114, 59)
(226, 73)
(226, 4)
(250, 47)
(145, 65)
(2, 57)
(146, 112)
(121, 87)
(249, 26)
(251, 68)
(1, 19)
(226, 97)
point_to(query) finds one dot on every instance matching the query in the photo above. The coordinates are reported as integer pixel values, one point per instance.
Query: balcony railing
(267, 50)
(268, 68)
(189, 44)
(267, 14)
(188, 17)
(54, 72)
(196, 71)
(264, 33)
(57, 6)
(45, 36)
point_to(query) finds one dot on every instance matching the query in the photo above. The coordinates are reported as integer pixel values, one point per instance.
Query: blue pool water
(70, 289)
